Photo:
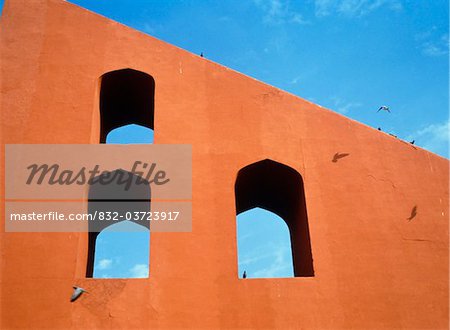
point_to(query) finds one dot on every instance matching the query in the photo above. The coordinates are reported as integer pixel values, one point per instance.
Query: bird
(385, 108)
(201, 54)
(77, 292)
(379, 128)
(413, 213)
(412, 142)
(338, 156)
(244, 275)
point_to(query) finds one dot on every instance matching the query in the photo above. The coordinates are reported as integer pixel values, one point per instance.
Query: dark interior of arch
(115, 197)
(278, 188)
(127, 97)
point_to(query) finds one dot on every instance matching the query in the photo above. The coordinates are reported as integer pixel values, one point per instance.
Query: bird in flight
(385, 108)
(77, 292)
(338, 156)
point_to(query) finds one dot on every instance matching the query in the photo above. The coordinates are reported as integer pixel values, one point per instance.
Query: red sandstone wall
(373, 268)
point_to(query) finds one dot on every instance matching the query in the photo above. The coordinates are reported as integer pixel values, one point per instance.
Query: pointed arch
(127, 96)
(264, 245)
(112, 203)
(122, 251)
(278, 188)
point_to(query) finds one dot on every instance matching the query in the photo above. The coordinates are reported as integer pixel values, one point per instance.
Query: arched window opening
(264, 245)
(127, 96)
(126, 116)
(122, 251)
(112, 207)
(279, 189)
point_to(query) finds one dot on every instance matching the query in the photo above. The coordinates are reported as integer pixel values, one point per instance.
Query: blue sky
(264, 245)
(123, 249)
(351, 56)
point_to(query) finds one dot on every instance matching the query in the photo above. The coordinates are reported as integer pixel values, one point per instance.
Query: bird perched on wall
(385, 108)
(77, 292)
(244, 275)
(379, 128)
(413, 141)
(201, 54)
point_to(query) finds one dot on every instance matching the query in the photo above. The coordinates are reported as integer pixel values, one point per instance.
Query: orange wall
(374, 269)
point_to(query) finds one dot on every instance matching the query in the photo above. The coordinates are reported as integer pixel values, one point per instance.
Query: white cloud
(437, 47)
(354, 7)
(148, 28)
(279, 265)
(104, 264)
(434, 137)
(297, 18)
(271, 260)
(323, 7)
(255, 257)
(438, 131)
(295, 80)
(432, 43)
(344, 107)
(279, 12)
(139, 271)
